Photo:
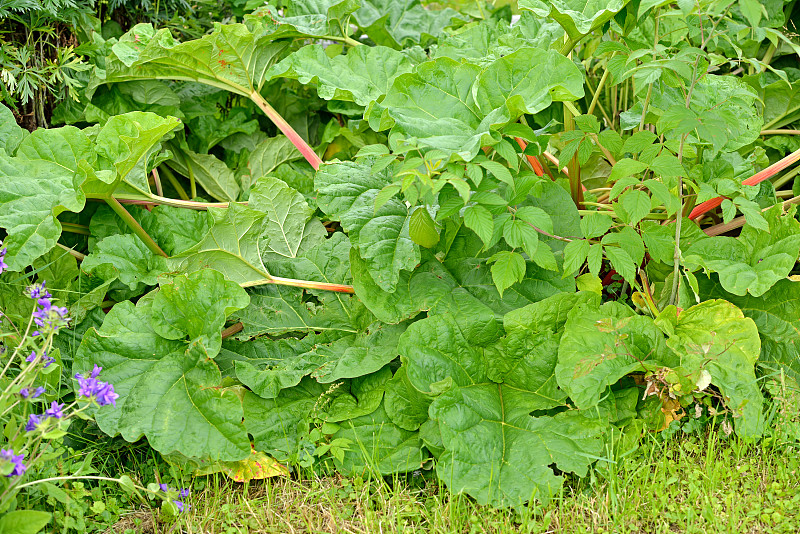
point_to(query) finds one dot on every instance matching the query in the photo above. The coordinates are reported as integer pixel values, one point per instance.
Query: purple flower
(33, 356)
(182, 507)
(19, 467)
(37, 291)
(26, 393)
(33, 422)
(46, 316)
(184, 493)
(164, 487)
(47, 361)
(55, 410)
(91, 388)
(3, 265)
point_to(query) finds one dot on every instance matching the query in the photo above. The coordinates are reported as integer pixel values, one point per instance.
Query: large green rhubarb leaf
(531, 347)
(304, 18)
(278, 310)
(347, 194)
(279, 425)
(378, 446)
(435, 106)
(598, 348)
(129, 142)
(399, 23)
(42, 181)
(291, 227)
(756, 260)
(234, 57)
(11, 134)
(716, 337)
(125, 256)
(169, 389)
(777, 317)
(362, 76)
(455, 107)
(577, 17)
(499, 454)
(234, 245)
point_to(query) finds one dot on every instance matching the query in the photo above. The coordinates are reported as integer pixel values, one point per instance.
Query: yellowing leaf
(257, 466)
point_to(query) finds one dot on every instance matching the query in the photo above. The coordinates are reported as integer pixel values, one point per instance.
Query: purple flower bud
(3, 265)
(163, 487)
(47, 361)
(32, 357)
(26, 393)
(9, 456)
(106, 394)
(95, 371)
(38, 291)
(33, 422)
(184, 493)
(55, 410)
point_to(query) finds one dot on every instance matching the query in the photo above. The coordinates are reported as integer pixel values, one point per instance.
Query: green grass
(684, 484)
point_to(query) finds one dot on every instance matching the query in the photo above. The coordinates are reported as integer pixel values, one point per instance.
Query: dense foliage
(387, 237)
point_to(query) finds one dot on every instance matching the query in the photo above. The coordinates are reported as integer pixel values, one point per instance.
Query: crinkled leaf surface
(362, 76)
(777, 317)
(378, 446)
(268, 155)
(399, 23)
(169, 388)
(279, 425)
(291, 227)
(278, 310)
(234, 245)
(531, 347)
(234, 57)
(347, 194)
(42, 181)
(304, 18)
(196, 307)
(129, 141)
(577, 17)
(716, 336)
(597, 349)
(10, 132)
(405, 405)
(125, 256)
(499, 454)
(756, 260)
(454, 107)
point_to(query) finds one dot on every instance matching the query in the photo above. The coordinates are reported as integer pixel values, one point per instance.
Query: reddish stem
(756, 179)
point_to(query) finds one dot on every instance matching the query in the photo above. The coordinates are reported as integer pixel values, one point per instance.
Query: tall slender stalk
(134, 225)
(287, 130)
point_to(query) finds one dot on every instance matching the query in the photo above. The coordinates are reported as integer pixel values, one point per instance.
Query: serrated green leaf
(508, 268)
(422, 229)
(347, 193)
(480, 220)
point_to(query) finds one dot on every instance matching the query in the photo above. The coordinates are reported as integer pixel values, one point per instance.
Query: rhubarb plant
(495, 247)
